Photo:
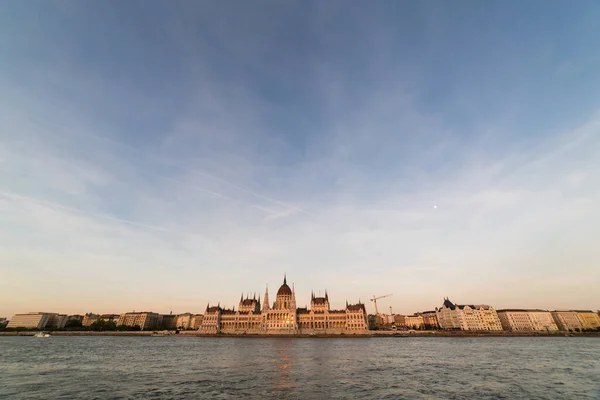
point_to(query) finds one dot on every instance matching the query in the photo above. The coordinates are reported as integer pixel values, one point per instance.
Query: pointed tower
(266, 301)
(293, 301)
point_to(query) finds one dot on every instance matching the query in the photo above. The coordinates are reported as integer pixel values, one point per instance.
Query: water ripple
(227, 368)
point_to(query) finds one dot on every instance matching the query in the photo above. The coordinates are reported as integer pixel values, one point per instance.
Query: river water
(327, 368)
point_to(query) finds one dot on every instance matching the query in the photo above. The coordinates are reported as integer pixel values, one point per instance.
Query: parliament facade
(284, 318)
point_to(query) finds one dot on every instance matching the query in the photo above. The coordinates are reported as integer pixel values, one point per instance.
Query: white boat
(41, 334)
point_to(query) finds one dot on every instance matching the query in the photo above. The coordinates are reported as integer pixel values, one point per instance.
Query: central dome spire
(284, 289)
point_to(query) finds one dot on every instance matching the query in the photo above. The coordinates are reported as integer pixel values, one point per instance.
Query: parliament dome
(284, 290)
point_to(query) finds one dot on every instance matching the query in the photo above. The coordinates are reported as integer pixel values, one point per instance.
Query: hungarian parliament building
(284, 318)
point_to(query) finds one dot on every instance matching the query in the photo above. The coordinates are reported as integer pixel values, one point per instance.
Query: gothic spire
(266, 301)
(285, 279)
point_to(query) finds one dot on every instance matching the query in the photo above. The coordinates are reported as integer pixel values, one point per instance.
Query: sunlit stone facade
(467, 317)
(38, 320)
(283, 317)
(145, 320)
(527, 320)
(566, 320)
(588, 319)
(414, 321)
(184, 321)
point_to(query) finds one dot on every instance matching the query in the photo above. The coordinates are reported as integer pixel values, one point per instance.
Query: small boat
(42, 334)
(158, 334)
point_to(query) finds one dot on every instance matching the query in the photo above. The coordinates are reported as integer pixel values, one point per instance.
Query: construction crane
(374, 300)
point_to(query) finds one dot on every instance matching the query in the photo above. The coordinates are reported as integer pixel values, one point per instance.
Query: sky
(160, 156)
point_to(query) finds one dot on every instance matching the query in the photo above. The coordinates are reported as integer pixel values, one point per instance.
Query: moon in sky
(434, 206)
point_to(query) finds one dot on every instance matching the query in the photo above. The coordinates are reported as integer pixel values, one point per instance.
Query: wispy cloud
(164, 183)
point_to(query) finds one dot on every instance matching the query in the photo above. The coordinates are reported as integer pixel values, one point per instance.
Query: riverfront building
(430, 319)
(527, 320)
(567, 320)
(284, 317)
(145, 320)
(467, 317)
(588, 319)
(167, 321)
(414, 321)
(184, 321)
(90, 318)
(38, 320)
(196, 321)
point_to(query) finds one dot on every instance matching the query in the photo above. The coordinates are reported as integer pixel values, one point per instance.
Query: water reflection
(285, 360)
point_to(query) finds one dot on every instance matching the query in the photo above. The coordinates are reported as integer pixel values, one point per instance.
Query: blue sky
(160, 156)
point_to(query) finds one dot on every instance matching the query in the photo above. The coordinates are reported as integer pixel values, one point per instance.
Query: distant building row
(485, 318)
(283, 317)
(145, 320)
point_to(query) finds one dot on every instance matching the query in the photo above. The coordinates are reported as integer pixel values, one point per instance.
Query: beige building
(145, 320)
(196, 321)
(467, 317)
(89, 319)
(184, 321)
(566, 320)
(58, 320)
(38, 320)
(283, 317)
(588, 319)
(527, 320)
(430, 319)
(414, 321)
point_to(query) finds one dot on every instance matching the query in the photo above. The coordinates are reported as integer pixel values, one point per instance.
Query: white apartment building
(566, 320)
(38, 320)
(479, 317)
(527, 320)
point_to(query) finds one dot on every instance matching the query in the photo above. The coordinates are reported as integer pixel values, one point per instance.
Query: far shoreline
(369, 335)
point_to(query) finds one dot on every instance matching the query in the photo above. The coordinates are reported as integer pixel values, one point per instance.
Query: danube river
(327, 368)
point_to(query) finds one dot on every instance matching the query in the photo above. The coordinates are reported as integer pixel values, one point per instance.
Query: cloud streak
(295, 146)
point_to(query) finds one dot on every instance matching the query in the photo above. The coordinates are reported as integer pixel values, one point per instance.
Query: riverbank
(370, 334)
